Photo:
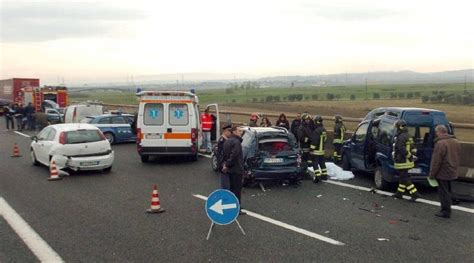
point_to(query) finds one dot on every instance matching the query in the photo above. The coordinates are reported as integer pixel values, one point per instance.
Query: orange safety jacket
(206, 122)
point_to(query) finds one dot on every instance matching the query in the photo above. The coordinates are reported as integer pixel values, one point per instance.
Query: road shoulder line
(285, 225)
(37, 245)
(22, 134)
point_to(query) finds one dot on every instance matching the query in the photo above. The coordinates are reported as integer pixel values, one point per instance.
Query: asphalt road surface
(96, 217)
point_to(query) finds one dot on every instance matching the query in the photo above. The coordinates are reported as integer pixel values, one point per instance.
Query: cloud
(347, 12)
(43, 21)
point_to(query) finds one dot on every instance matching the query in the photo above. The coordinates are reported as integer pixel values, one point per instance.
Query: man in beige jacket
(444, 167)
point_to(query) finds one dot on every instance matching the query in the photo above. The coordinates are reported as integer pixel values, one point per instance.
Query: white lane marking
(204, 155)
(37, 245)
(419, 200)
(22, 134)
(285, 225)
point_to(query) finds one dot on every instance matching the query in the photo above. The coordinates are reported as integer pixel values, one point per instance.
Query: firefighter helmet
(338, 118)
(401, 124)
(318, 119)
(305, 116)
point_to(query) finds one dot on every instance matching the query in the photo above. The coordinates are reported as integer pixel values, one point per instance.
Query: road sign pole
(210, 230)
(241, 229)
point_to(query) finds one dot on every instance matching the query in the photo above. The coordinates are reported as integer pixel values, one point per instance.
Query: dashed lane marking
(37, 245)
(285, 225)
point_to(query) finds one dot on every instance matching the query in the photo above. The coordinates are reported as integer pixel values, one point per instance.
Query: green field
(270, 95)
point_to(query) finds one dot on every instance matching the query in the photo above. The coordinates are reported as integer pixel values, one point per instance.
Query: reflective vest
(403, 147)
(317, 146)
(339, 131)
(206, 122)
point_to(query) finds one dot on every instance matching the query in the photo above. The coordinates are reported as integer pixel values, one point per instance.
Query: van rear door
(152, 125)
(179, 126)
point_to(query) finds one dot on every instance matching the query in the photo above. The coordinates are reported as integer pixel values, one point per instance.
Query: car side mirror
(34, 138)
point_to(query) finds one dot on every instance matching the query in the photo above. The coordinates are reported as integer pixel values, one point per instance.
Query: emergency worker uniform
(303, 135)
(339, 131)
(318, 139)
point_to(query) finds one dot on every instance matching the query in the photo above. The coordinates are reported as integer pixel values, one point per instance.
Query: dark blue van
(370, 148)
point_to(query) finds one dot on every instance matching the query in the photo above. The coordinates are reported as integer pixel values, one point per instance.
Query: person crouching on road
(253, 120)
(339, 130)
(225, 179)
(318, 139)
(404, 160)
(233, 162)
(303, 135)
(444, 167)
(206, 124)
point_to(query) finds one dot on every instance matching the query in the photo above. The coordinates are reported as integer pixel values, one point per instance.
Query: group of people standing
(23, 116)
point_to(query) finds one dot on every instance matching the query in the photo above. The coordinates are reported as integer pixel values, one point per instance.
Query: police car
(115, 127)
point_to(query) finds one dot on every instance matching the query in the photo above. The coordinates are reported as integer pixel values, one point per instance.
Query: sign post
(222, 208)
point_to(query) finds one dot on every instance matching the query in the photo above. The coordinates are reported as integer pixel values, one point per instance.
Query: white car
(74, 147)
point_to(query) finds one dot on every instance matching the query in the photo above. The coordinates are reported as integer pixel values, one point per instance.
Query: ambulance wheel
(145, 158)
(379, 181)
(194, 158)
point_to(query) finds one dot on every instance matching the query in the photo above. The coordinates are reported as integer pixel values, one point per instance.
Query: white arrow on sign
(219, 208)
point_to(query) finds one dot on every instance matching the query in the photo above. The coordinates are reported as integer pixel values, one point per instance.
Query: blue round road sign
(222, 207)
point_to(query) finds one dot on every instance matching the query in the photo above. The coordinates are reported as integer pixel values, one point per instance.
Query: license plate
(273, 160)
(153, 136)
(89, 163)
(415, 171)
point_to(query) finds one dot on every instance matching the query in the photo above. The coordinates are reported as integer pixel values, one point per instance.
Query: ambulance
(168, 124)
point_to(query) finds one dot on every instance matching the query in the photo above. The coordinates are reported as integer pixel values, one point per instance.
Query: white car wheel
(33, 158)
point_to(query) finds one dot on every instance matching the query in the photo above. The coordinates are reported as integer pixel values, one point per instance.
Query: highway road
(96, 217)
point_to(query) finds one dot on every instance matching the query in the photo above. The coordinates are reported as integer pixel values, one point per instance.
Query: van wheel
(145, 158)
(346, 164)
(379, 181)
(194, 158)
(110, 137)
(214, 162)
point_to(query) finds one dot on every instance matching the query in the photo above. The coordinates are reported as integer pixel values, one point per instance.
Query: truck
(26, 90)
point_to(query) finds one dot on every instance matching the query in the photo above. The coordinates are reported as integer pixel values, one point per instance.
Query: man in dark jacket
(404, 160)
(303, 135)
(444, 167)
(19, 111)
(219, 153)
(318, 139)
(9, 113)
(29, 112)
(233, 161)
(295, 124)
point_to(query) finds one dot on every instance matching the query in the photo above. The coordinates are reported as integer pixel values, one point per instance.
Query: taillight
(62, 138)
(298, 161)
(194, 135)
(139, 135)
(102, 136)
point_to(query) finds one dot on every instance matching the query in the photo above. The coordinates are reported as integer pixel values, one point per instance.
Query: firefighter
(339, 130)
(318, 138)
(303, 135)
(404, 159)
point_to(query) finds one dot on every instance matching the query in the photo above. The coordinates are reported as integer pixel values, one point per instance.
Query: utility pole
(465, 84)
(366, 94)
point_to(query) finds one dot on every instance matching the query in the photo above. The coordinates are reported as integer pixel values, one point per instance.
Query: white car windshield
(83, 136)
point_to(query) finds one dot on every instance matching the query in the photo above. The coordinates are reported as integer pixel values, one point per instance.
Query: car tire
(107, 170)
(214, 162)
(110, 137)
(346, 164)
(33, 158)
(379, 181)
(145, 158)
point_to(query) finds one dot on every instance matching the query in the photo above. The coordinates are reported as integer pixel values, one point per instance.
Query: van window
(178, 114)
(361, 133)
(386, 132)
(421, 135)
(153, 114)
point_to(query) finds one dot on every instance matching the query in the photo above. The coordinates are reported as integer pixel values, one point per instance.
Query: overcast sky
(100, 40)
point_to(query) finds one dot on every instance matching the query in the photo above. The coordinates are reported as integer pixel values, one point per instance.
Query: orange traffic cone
(53, 172)
(16, 150)
(155, 202)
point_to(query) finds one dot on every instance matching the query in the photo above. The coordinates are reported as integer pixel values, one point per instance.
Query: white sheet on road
(335, 172)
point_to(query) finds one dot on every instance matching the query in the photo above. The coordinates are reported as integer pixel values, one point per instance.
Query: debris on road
(372, 190)
(319, 196)
(392, 222)
(335, 172)
(383, 239)
(365, 209)
(326, 232)
(412, 237)
(262, 187)
(345, 199)
(404, 220)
